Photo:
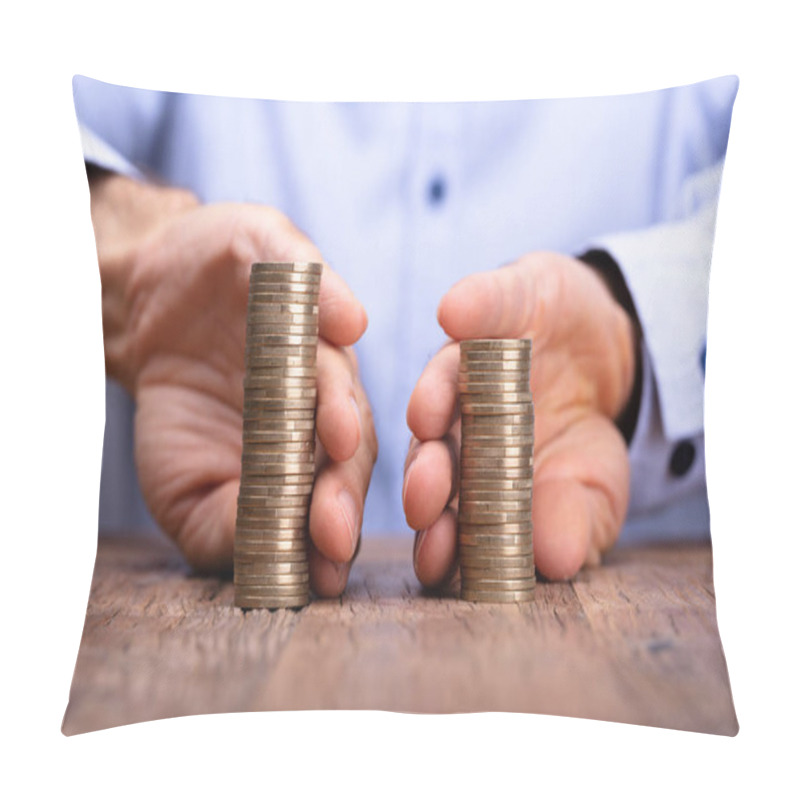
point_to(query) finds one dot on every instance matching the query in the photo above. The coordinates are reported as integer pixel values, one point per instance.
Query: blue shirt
(403, 199)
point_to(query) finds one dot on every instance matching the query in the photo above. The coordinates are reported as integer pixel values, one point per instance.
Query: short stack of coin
(495, 532)
(270, 561)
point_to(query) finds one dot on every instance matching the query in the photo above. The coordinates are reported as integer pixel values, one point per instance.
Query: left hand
(175, 278)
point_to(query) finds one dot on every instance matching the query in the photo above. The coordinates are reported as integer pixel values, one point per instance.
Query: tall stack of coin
(495, 532)
(270, 561)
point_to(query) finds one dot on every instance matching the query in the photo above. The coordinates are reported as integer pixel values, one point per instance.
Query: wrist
(125, 213)
(600, 262)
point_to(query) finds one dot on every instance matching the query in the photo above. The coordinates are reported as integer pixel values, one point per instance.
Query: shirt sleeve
(98, 152)
(666, 268)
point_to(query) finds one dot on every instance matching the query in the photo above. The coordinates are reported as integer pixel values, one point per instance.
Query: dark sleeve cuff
(609, 271)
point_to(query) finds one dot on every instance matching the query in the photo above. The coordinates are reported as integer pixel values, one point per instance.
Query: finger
(580, 497)
(429, 482)
(501, 303)
(435, 550)
(342, 319)
(338, 415)
(205, 534)
(433, 404)
(248, 233)
(337, 503)
(337, 506)
(328, 578)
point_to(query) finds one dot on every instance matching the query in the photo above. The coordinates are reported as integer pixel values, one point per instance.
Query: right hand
(582, 375)
(175, 278)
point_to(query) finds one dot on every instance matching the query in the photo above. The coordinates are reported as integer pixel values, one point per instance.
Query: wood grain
(633, 641)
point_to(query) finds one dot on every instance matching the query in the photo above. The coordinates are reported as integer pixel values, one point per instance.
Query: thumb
(503, 303)
(251, 233)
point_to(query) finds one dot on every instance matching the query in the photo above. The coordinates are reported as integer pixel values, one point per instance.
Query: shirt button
(682, 458)
(437, 189)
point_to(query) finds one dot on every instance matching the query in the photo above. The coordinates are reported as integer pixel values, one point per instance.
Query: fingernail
(341, 575)
(358, 410)
(347, 507)
(418, 545)
(409, 470)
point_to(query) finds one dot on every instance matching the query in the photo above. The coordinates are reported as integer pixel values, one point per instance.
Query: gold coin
(482, 449)
(275, 387)
(471, 574)
(492, 346)
(266, 299)
(473, 558)
(306, 445)
(276, 489)
(496, 427)
(283, 276)
(493, 422)
(259, 332)
(266, 358)
(273, 582)
(265, 601)
(502, 551)
(288, 306)
(283, 371)
(468, 506)
(474, 596)
(485, 410)
(265, 362)
(485, 471)
(501, 484)
(249, 544)
(303, 422)
(489, 540)
(247, 551)
(281, 340)
(502, 584)
(497, 407)
(494, 463)
(483, 440)
(273, 593)
(503, 370)
(269, 408)
(250, 505)
(278, 456)
(291, 473)
(257, 395)
(470, 517)
(298, 267)
(258, 513)
(259, 567)
(272, 478)
(278, 437)
(277, 528)
(473, 386)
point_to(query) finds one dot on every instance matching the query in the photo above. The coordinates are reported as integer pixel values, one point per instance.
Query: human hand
(175, 289)
(582, 374)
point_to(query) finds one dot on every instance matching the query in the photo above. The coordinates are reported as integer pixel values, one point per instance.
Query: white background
(52, 387)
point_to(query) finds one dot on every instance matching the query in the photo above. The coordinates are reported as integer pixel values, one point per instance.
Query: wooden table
(634, 641)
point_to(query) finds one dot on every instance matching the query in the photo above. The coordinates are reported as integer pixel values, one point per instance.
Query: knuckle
(254, 232)
(142, 317)
(243, 245)
(179, 200)
(276, 220)
(370, 436)
(352, 359)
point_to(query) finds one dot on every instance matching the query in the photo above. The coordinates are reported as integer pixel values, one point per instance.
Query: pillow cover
(403, 200)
